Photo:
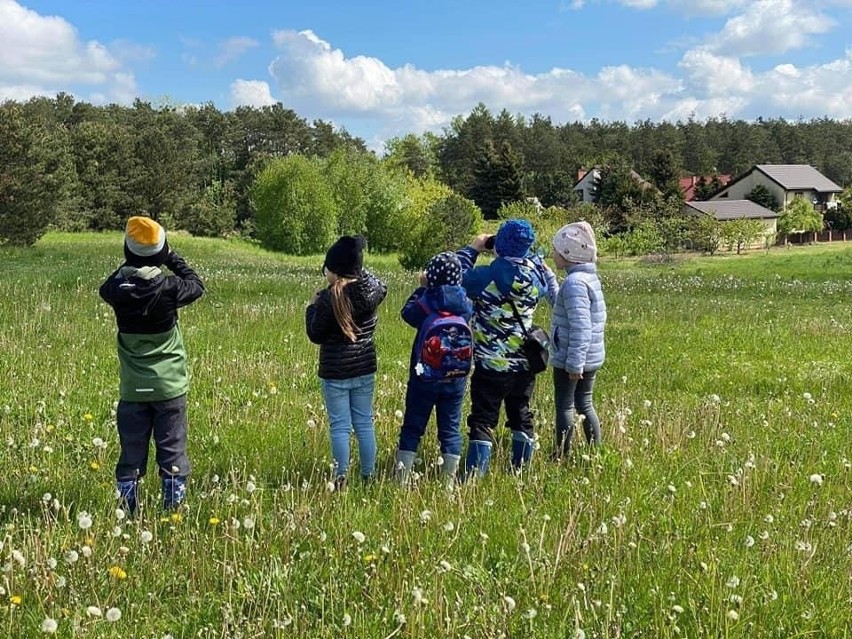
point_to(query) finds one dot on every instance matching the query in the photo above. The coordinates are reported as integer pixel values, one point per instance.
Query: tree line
(75, 166)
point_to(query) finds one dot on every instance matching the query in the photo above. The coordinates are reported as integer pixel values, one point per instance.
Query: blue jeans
(349, 403)
(446, 398)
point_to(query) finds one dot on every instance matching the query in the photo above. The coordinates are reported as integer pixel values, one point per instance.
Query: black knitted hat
(346, 256)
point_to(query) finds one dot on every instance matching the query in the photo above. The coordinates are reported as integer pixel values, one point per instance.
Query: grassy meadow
(719, 506)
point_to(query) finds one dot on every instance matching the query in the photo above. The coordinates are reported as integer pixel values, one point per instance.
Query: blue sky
(386, 68)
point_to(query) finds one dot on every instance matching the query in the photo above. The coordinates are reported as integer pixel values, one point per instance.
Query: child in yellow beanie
(152, 358)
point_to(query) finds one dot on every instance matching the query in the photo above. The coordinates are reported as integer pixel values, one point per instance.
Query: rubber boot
(174, 492)
(404, 463)
(127, 494)
(449, 469)
(478, 459)
(522, 449)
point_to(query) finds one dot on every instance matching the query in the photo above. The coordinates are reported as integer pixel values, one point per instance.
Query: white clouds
(687, 7)
(254, 93)
(723, 85)
(232, 48)
(320, 81)
(771, 26)
(44, 54)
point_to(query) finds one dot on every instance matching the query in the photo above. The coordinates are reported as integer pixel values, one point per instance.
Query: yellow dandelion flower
(369, 558)
(94, 465)
(49, 428)
(33, 469)
(88, 417)
(176, 518)
(15, 600)
(213, 521)
(117, 572)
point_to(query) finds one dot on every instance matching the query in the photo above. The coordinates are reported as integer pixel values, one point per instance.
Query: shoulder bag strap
(518, 318)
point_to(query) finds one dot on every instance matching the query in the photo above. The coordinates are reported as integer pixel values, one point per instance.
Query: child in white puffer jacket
(577, 333)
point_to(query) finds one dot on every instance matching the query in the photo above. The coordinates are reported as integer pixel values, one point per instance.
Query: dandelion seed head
(94, 611)
(49, 626)
(84, 520)
(510, 603)
(359, 536)
(113, 614)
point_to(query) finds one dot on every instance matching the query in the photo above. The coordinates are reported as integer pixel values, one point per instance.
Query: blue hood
(451, 299)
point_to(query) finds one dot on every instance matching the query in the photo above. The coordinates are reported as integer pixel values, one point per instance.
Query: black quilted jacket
(339, 357)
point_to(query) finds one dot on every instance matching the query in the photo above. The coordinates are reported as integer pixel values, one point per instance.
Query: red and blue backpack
(444, 347)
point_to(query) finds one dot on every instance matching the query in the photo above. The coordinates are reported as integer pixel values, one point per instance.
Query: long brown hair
(342, 307)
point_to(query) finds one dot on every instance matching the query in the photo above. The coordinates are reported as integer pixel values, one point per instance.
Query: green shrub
(294, 208)
(446, 225)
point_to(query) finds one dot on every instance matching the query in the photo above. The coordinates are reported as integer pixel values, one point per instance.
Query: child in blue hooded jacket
(514, 282)
(440, 296)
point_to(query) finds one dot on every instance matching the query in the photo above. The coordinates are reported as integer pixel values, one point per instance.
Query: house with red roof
(689, 184)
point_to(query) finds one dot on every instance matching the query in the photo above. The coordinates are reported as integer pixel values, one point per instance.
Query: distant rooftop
(799, 177)
(734, 209)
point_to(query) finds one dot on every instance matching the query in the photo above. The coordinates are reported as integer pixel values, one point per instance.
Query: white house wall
(742, 188)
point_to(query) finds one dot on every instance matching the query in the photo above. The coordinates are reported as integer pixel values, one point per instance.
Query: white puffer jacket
(579, 319)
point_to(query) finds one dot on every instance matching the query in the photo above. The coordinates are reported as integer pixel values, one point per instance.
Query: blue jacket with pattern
(579, 318)
(497, 335)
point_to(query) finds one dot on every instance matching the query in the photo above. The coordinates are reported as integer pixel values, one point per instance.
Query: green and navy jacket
(151, 353)
(497, 335)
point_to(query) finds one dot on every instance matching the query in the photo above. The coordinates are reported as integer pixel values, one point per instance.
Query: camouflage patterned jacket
(497, 335)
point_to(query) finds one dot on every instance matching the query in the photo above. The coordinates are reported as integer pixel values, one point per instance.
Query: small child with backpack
(441, 359)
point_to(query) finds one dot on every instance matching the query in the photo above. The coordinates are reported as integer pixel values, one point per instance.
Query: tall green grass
(719, 505)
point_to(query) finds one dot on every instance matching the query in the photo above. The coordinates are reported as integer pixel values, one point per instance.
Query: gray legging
(571, 395)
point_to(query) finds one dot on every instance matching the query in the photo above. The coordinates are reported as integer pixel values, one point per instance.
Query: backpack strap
(423, 304)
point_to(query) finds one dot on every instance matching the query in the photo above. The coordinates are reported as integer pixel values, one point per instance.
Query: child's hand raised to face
(422, 278)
